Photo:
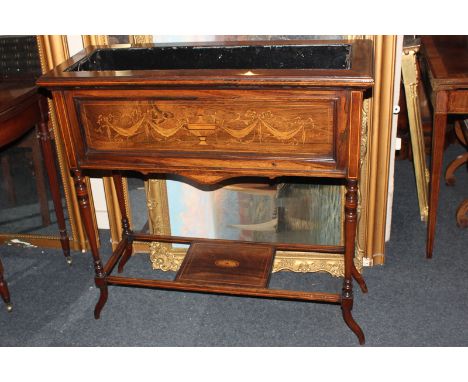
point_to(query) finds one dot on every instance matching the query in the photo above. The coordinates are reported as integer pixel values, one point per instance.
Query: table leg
(87, 217)
(438, 141)
(350, 236)
(359, 279)
(126, 231)
(4, 289)
(44, 137)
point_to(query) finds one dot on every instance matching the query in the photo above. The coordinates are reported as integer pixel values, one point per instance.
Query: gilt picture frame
(412, 85)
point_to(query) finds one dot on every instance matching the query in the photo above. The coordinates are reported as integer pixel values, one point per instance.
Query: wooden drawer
(216, 124)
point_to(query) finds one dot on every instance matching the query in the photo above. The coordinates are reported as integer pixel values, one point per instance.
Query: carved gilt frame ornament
(141, 39)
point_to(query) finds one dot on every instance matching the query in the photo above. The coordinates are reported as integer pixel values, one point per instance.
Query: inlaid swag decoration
(150, 122)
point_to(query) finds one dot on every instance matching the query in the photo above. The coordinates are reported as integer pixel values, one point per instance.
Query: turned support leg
(359, 279)
(4, 290)
(350, 236)
(126, 231)
(87, 217)
(45, 138)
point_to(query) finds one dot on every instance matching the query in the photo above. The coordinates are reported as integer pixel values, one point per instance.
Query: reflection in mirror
(277, 212)
(26, 206)
(281, 212)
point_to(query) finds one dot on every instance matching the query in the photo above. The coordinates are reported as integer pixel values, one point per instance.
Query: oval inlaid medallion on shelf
(227, 263)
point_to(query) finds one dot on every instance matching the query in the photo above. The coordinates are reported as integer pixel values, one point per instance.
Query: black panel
(19, 57)
(336, 56)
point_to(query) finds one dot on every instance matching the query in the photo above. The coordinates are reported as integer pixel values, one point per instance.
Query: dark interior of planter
(332, 56)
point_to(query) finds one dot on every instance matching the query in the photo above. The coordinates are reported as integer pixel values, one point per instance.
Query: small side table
(445, 63)
(22, 108)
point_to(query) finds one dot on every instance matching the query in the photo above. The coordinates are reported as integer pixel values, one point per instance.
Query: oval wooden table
(22, 108)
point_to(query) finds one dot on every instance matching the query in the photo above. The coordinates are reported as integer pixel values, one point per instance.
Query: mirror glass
(26, 205)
